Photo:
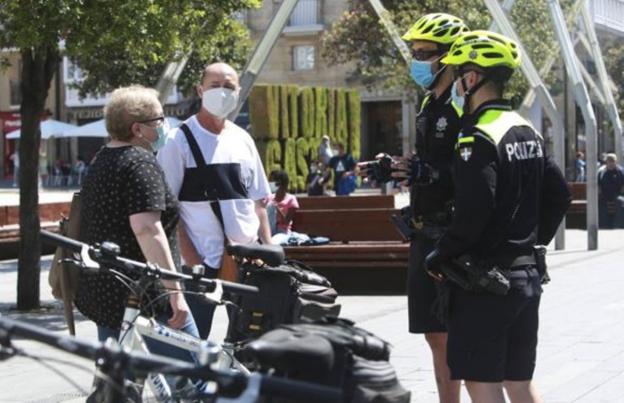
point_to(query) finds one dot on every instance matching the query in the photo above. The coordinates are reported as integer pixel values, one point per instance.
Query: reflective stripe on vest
(495, 123)
(424, 102)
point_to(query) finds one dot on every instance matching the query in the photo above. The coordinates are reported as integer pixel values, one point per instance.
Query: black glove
(433, 261)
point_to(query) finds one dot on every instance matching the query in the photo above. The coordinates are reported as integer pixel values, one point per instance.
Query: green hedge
(264, 111)
(271, 154)
(293, 98)
(307, 112)
(303, 156)
(355, 111)
(289, 121)
(320, 112)
(290, 161)
(284, 116)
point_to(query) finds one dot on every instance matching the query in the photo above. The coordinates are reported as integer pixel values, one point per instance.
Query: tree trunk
(38, 67)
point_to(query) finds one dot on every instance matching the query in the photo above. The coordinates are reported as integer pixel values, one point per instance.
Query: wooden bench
(576, 216)
(49, 214)
(364, 243)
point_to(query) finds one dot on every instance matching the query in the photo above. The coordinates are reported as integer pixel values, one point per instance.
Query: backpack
(289, 293)
(331, 352)
(63, 278)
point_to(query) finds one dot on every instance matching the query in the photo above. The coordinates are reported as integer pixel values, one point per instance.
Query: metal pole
(386, 20)
(550, 61)
(583, 101)
(543, 95)
(262, 51)
(610, 105)
(170, 76)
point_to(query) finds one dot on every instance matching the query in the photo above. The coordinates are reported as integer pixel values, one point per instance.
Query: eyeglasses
(422, 55)
(160, 120)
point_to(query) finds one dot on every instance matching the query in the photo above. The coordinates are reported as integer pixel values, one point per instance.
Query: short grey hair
(126, 106)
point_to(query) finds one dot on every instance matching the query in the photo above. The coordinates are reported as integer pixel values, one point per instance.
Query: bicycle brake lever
(87, 262)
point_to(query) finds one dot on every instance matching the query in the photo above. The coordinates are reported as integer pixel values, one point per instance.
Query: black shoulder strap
(197, 154)
(201, 162)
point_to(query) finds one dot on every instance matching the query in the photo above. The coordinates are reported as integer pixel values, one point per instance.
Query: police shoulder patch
(465, 153)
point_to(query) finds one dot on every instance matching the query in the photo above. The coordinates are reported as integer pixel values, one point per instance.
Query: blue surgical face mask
(458, 100)
(162, 136)
(421, 73)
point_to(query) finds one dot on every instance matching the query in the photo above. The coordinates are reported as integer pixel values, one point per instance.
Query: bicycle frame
(135, 327)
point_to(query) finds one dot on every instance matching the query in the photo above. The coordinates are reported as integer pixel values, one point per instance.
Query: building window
(303, 57)
(305, 13)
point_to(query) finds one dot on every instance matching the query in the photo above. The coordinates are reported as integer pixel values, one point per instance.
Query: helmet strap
(469, 92)
(438, 74)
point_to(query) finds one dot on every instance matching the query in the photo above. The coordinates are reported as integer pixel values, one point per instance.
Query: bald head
(219, 73)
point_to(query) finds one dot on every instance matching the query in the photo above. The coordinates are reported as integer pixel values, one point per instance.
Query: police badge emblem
(465, 153)
(441, 126)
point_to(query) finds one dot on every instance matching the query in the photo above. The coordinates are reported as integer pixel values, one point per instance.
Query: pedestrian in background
(610, 188)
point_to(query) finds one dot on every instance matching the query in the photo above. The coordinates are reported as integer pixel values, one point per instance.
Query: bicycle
(135, 327)
(115, 361)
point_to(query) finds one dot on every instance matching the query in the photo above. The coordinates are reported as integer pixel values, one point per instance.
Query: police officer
(509, 196)
(429, 174)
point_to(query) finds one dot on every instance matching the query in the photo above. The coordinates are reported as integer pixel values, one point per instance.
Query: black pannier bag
(289, 293)
(331, 352)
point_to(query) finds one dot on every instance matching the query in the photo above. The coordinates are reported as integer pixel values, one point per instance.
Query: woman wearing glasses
(125, 200)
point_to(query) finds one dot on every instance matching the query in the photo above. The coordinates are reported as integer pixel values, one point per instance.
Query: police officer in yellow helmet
(429, 172)
(509, 197)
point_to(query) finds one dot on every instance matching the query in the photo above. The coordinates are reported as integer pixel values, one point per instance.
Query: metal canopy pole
(543, 95)
(583, 101)
(603, 77)
(386, 21)
(170, 77)
(408, 106)
(262, 51)
(550, 61)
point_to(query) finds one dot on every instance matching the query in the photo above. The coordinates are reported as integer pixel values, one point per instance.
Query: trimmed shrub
(293, 102)
(331, 114)
(355, 113)
(303, 162)
(290, 159)
(342, 133)
(306, 113)
(284, 121)
(271, 154)
(264, 111)
(320, 124)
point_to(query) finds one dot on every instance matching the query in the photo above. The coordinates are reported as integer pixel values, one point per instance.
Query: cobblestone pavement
(580, 354)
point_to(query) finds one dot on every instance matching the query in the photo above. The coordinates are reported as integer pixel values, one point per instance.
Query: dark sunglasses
(422, 55)
(158, 119)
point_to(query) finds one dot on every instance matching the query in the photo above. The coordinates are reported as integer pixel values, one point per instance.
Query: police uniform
(509, 196)
(437, 126)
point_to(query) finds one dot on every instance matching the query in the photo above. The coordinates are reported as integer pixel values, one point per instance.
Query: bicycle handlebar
(232, 382)
(91, 252)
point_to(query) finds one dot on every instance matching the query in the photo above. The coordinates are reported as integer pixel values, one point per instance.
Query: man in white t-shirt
(214, 168)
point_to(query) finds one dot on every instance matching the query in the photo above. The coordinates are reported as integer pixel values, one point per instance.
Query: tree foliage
(613, 51)
(359, 38)
(115, 43)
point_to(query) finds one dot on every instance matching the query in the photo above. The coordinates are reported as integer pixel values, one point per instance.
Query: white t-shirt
(232, 145)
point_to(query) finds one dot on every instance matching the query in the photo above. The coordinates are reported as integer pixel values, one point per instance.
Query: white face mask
(219, 101)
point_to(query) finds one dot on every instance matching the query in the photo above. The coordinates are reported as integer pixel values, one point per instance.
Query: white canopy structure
(98, 128)
(49, 128)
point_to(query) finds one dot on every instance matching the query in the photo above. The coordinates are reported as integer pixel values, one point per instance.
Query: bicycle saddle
(273, 255)
(303, 355)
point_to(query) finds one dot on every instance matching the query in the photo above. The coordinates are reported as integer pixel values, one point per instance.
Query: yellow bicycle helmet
(485, 49)
(437, 27)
